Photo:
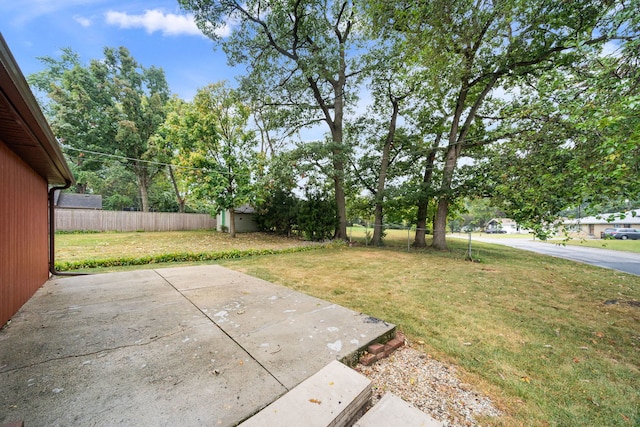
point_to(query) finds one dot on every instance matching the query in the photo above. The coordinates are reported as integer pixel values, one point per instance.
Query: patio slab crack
(206, 315)
(93, 353)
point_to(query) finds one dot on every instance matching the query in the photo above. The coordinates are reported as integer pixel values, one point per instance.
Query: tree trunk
(440, 225)
(181, 200)
(232, 223)
(338, 161)
(456, 143)
(335, 125)
(451, 159)
(440, 220)
(382, 176)
(143, 184)
(420, 239)
(341, 232)
(378, 229)
(423, 202)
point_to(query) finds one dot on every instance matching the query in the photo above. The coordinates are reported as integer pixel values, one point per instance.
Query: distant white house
(502, 225)
(245, 220)
(592, 226)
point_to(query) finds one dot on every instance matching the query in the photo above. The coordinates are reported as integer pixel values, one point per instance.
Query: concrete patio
(178, 346)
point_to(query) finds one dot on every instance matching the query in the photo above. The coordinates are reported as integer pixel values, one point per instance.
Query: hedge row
(180, 257)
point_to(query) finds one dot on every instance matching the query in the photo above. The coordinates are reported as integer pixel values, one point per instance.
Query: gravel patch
(429, 385)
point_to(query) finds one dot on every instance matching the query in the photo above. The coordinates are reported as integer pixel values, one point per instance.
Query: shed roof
(245, 209)
(23, 127)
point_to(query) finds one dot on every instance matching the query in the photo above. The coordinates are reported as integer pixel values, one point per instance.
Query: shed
(245, 218)
(30, 162)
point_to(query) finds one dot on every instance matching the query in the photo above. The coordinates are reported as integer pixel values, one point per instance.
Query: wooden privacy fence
(99, 220)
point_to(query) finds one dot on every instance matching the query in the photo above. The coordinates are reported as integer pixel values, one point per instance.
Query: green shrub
(317, 217)
(178, 257)
(278, 213)
(283, 213)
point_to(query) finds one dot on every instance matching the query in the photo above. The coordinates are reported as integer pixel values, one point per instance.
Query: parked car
(606, 233)
(624, 233)
(495, 231)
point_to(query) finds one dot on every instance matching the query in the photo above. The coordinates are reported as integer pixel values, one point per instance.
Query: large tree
(81, 116)
(297, 56)
(214, 149)
(167, 144)
(113, 105)
(473, 47)
(139, 95)
(381, 145)
(391, 83)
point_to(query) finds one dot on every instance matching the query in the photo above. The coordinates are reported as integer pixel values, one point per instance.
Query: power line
(115, 156)
(152, 162)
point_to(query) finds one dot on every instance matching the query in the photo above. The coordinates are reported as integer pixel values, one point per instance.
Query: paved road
(627, 262)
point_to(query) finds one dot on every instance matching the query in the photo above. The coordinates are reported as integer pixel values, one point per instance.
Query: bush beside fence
(99, 220)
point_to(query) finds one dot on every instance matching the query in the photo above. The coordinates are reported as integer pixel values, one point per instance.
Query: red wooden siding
(24, 247)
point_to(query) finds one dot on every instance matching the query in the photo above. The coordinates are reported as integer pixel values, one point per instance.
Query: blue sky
(156, 32)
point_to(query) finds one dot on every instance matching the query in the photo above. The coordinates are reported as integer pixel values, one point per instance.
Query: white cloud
(85, 22)
(155, 20)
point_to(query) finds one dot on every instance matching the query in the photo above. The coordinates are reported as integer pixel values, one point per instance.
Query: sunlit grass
(395, 237)
(613, 244)
(86, 246)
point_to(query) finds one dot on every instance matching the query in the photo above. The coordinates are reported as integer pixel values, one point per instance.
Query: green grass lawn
(613, 244)
(400, 237)
(539, 335)
(90, 246)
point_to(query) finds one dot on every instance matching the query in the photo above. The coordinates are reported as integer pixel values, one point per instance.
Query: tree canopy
(112, 105)
(530, 104)
(299, 62)
(214, 148)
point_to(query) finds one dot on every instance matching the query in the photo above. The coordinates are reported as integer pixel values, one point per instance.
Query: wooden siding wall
(24, 245)
(98, 220)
